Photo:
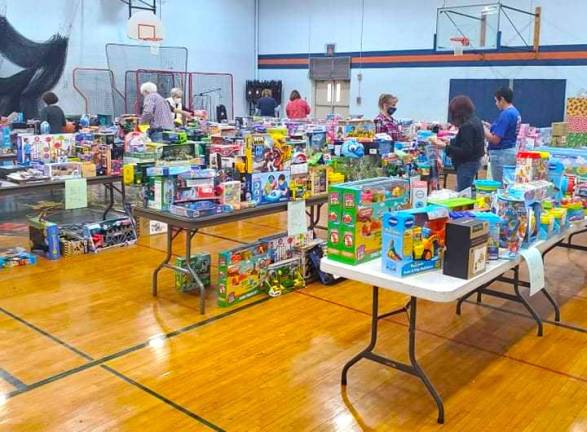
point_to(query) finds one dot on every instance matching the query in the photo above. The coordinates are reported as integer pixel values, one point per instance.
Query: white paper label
(535, 264)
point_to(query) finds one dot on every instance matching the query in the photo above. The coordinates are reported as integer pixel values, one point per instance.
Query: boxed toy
(466, 248)
(110, 233)
(520, 223)
(200, 263)
(412, 242)
(44, 238)
(355, 210)
(16, 257)
(161, 192)
(284, 276)
(241, 272)
(231, 194)
(63, 170)
(318, 180)
(268, 187)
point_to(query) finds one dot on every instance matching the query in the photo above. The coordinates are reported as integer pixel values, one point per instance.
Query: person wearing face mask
(384, 121)
(175, 104)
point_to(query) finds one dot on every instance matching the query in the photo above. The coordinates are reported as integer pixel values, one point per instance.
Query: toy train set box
(413, 240)
(241, 272)
(355, 211)
(110, 233)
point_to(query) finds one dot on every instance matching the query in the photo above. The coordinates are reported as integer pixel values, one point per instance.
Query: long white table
(436, 287)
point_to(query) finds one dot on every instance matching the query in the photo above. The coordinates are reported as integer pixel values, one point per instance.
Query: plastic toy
(352, 149)
(409, 244)
(546, 226)
(241, 272)
(354, 216)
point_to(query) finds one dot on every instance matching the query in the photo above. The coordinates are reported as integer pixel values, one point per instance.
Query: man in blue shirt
(502, 135)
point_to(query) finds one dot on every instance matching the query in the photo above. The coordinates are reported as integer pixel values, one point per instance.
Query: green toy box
(200, 263)
(355, 211)
(455, 204)
(241, 272)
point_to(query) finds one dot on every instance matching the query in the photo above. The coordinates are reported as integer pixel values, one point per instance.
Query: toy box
(520, 223)
(419, 194)
(284, 276)
(161, 193)
(268, 187)
(466, 248)
(241, 272)
(44, 238)
(455, 204)
(231, 194)
(280, 247)
(110, 233)
(355, 210)
(16, 257)
(71, 244)
(410, 245)
(318, 180)
(198, 209)
(200, 263)
(44, 148)
(63, 170)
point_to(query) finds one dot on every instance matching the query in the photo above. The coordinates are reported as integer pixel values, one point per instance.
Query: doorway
(331, 97)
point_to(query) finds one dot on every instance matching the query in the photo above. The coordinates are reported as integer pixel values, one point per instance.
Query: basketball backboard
(479, 24)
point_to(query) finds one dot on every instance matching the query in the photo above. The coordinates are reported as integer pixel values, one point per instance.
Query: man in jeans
(502, 135)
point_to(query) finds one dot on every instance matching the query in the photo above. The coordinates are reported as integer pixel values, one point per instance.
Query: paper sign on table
(296, 218)
(535, 264)
(76, 193)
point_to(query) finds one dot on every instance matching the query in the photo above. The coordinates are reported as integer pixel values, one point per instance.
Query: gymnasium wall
(219, 35)
(290, 30)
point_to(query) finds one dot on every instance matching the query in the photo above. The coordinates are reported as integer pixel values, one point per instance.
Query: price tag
(76, 193)
(296, 218)
(535, 265)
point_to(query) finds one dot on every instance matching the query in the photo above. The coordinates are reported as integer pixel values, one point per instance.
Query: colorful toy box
(241, 272)
(284, 276)
(520, 223)
(201, 264)
(16, 257)
(268, 187)
(355, 210)
(44, 238)
(110, 233)
(410, 245)
(231, 194)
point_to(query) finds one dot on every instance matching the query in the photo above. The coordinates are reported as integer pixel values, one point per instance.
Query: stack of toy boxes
(241, 272)
(413, 240)
(200, 263)
(531, 166)
(355, 210)
(577, 122)
(285, 270)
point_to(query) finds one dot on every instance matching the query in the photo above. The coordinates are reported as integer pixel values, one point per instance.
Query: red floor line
(467, 344)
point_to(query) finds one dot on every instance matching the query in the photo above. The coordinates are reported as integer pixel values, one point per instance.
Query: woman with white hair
(156, 112)
(174, 101)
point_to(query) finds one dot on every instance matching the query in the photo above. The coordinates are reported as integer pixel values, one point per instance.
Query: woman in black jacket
(468, 147)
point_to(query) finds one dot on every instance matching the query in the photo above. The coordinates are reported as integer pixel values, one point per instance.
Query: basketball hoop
(458, 44)
(146, 26)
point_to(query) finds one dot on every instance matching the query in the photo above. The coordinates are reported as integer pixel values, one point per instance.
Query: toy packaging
(16, 257)
(284, 276)
(241, 272)
(419, 194)
(231, 194)
(413, 240)
(201, 264)
(355, 210)
(44, 238)
(519, 226)
(268, 187)
(110, 233)
(493, 227)
(466, 248)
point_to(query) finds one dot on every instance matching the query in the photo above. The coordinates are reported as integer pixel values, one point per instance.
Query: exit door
(331, 97)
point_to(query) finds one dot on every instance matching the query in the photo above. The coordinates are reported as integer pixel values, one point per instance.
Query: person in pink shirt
(297, 108)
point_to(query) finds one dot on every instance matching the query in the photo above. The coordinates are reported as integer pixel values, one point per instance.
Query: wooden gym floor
(85, 347)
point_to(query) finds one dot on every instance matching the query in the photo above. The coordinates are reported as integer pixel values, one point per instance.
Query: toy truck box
(355, 211)
(200, 263)
(412, 241)
(241, 272)
(283, 277)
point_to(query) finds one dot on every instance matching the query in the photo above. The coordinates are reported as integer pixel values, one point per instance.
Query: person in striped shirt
(156, 111)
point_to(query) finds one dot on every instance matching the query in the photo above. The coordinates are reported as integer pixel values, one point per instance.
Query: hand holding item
(439, 142)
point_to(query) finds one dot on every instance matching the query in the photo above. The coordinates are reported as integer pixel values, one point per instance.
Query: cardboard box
(201, 264)
(466, 248)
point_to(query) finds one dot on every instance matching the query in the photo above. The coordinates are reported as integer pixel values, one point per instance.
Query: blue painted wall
(305, 26)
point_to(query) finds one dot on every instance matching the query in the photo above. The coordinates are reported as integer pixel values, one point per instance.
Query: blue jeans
(498, 159)
(466, 173)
